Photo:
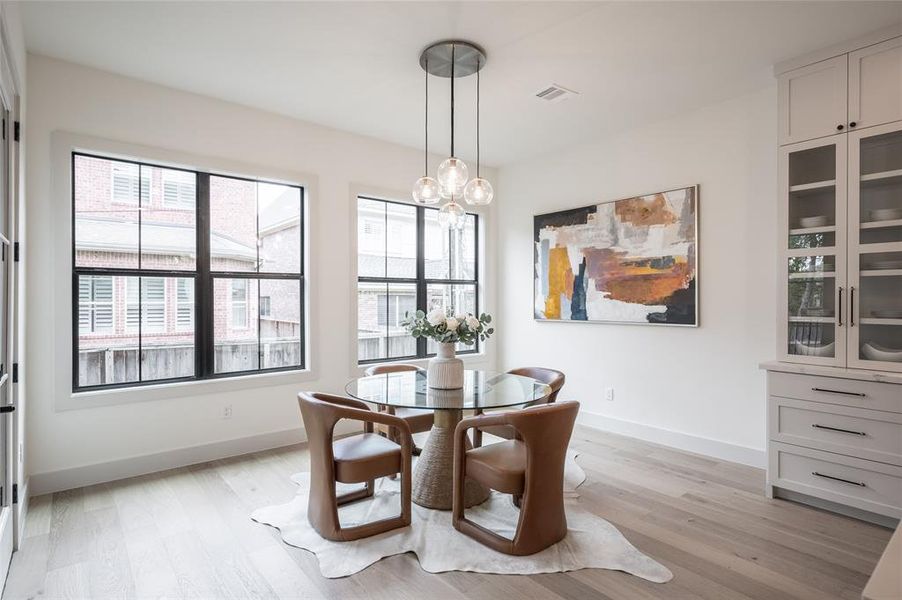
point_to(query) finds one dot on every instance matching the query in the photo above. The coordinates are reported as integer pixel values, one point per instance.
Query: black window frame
(420, 280)
(203, 275)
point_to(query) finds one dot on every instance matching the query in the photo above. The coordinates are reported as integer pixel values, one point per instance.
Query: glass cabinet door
(813, 213)
(875, 248)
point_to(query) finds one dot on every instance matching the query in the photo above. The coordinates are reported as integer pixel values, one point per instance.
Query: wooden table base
(434, 476)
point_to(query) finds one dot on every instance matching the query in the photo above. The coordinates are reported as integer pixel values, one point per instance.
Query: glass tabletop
(482, 389)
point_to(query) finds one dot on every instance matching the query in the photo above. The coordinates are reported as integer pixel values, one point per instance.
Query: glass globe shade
(426, 191)
(452, 216)
(452, 177)
(478, 192)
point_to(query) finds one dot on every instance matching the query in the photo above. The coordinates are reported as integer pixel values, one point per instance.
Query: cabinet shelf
(881, 273)
(876, 321)
(812, 230)
(812, 187)
(812, 319)
(883, 176)
(882, 224)
(814, 275)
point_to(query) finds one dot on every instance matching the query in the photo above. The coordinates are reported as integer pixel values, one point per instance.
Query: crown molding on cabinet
(875, 37)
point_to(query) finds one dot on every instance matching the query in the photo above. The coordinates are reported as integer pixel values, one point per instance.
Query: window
(418, 265)
(124, 186)
(178, 189)
(95, 298)
(239, 303)
(146, 310)
(165, 295)
(184, 319)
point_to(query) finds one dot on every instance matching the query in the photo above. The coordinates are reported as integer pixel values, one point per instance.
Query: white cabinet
(841, 250)
(875, 84)
(813, 100)
(813, 251)
(843, 94)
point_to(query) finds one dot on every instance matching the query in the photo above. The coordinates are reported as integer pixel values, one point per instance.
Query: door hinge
(16, 251)
(16, 132)
(15, 493)
(15, 372)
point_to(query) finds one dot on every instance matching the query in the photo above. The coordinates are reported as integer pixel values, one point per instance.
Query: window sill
(180, 389)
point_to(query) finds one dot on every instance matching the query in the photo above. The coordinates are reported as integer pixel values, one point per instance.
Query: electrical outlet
(609, 394)
(227, 411)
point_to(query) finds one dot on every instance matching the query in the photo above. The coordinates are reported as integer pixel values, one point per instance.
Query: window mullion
(203, 282)
(421, 273)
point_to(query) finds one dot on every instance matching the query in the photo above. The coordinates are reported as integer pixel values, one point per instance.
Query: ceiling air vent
(555, 93)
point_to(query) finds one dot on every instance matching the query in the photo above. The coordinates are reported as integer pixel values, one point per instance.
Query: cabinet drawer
(864, 484)
(831, 390)
(867, 434)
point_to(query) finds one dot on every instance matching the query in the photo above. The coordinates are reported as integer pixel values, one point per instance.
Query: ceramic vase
(445, 371)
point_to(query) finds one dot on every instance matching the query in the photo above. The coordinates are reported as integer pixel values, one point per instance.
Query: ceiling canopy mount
(455, 58)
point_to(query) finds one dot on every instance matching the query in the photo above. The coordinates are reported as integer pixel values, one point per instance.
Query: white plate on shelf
(814, 350)
(885, 214)
(818, 221)
(882, 265)
(872, 351)
(887, 314)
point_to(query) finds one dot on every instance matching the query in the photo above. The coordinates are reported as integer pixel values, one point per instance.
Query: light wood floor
(185, 533)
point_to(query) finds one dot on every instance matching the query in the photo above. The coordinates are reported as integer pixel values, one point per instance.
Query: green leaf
(490, 331)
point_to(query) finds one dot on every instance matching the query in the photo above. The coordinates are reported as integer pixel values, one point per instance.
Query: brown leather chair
(531, 468)
(555, 379)
(418, 419)
(360, 458)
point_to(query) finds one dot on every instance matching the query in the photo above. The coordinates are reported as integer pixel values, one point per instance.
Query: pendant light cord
(478, 69)
(453, 48)
(426, 125)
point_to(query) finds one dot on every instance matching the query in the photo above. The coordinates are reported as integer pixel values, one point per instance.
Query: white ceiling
(353, 66)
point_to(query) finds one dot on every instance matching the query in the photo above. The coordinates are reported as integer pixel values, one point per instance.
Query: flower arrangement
(444, 327)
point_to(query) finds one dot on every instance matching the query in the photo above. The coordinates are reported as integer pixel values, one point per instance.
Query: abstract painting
(627, 261)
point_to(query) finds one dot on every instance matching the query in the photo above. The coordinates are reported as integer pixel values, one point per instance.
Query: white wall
(695, 388)
(66, 446)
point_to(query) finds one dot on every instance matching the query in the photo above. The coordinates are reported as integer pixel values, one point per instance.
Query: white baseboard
(676, 439)
(67, 479)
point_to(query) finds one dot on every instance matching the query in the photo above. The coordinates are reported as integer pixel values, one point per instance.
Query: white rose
(460, 318)
(436, 317)
(473, 323)
(452, 324)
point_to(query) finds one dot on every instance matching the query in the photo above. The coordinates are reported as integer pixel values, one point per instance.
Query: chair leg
(477, 437)
(367, 492)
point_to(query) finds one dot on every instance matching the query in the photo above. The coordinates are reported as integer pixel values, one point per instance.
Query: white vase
(445, 371)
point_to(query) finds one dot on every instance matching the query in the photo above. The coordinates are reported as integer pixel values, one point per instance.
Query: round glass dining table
(432, 478)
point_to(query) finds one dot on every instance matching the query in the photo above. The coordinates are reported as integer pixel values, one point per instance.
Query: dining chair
(552, 378)
(418, 419)
(359, 458)
(531, 468)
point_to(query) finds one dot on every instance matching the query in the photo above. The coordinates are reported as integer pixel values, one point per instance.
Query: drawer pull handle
(817, 389)
(828, 428)
(858, 483)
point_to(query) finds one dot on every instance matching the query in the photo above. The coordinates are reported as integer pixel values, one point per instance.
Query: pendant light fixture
(452, 59)
(478, 191)
(426, 189)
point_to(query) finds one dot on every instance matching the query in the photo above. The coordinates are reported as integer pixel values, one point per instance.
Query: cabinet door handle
(839, 307)
(817, 389)
(853, 124)
(852, 306)
(838, 429)
(839, 128)
(850, 482)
